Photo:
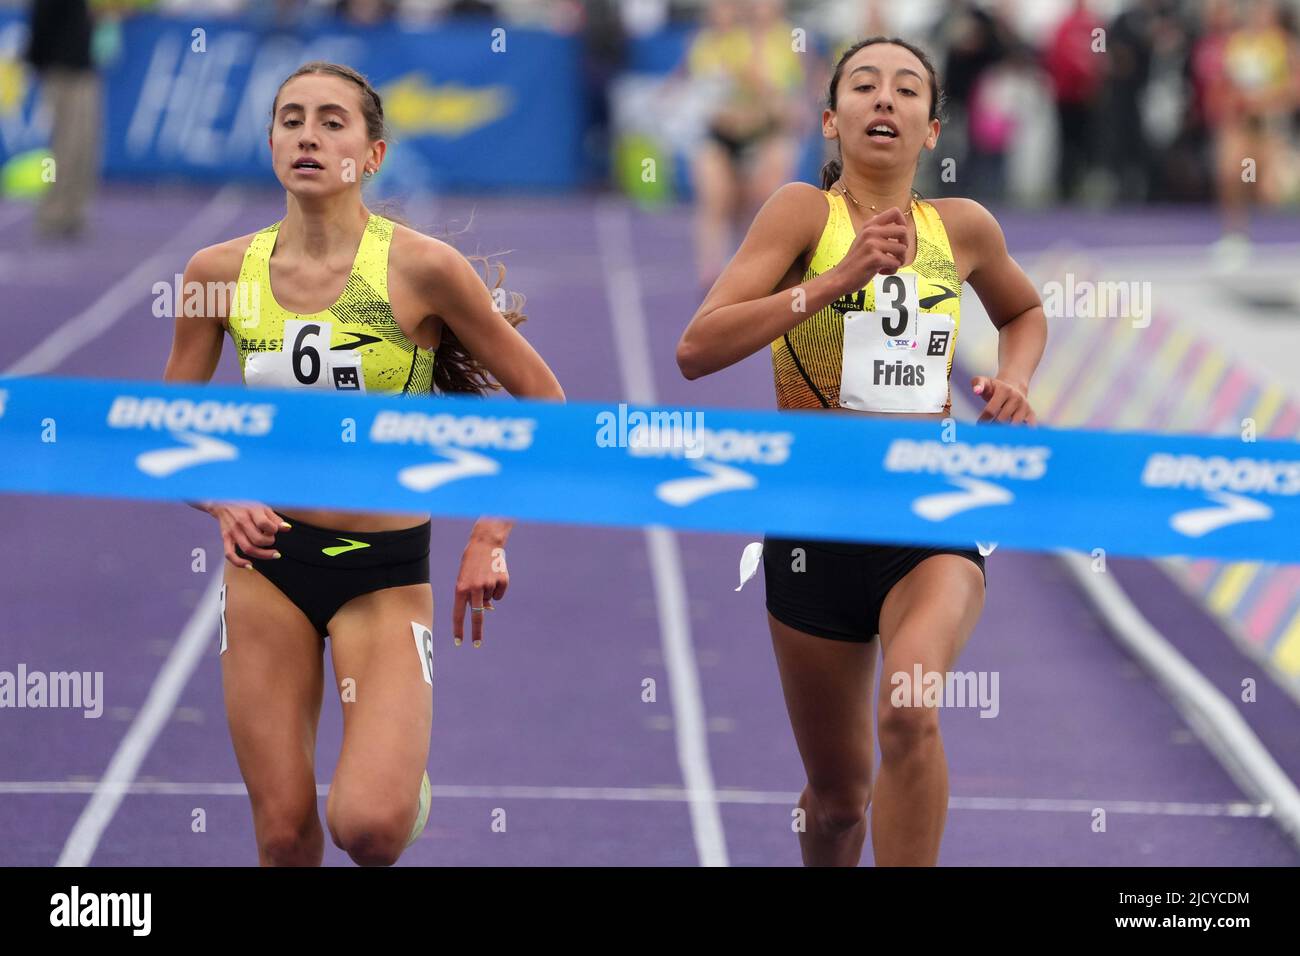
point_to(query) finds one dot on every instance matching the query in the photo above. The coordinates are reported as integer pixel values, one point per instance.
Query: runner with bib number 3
(859, 302)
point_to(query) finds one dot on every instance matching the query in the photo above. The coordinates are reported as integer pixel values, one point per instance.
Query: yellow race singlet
(808, 362)
(1257, 61)
(735, 53)
(353, 346)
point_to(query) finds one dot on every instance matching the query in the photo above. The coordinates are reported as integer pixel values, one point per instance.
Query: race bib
(306, 361)
(896, 358)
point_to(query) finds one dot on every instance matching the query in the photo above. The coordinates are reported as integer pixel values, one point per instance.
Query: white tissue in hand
(749, 559)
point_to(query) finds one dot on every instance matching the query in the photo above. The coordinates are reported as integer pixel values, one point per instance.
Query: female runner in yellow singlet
(344, 300)
(880, 276)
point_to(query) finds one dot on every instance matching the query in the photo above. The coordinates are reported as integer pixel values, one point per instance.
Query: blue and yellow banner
(470, 104)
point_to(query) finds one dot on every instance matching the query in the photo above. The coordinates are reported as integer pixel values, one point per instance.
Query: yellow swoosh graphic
(344, 549)
(412, 105)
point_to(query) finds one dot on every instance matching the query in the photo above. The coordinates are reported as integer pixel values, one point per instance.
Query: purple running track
(546, 720)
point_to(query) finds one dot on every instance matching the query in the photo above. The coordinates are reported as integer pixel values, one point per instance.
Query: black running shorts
(320, 570)
(835, 589)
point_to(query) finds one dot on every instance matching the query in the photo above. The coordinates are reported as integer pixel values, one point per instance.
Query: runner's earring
(368, 173)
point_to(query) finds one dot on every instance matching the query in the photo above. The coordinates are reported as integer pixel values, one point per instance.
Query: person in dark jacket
(60, 52)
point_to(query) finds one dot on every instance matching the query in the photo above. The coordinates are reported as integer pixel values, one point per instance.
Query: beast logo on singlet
(263, 345)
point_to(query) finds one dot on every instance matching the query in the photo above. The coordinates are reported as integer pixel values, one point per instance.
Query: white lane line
(631, 341)
(670, 795)
(1209, 714)
(197, 637)
(1206, 710)
(73, 334)
(1236, 632)
(102, 314)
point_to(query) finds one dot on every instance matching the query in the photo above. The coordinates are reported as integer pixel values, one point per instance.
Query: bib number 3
(896, 358)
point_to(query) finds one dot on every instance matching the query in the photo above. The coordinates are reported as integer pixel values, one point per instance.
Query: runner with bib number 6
(341, 299)
(856, 289)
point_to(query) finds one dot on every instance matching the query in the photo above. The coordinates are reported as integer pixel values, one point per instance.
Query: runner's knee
(288, 836)
(374, 833)
(904, 729)
(841, 806)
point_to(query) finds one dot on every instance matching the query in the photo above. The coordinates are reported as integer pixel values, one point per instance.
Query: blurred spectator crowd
(1155, 100)
(1094, 101)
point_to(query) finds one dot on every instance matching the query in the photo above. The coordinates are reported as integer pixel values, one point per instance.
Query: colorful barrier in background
(1110, 373)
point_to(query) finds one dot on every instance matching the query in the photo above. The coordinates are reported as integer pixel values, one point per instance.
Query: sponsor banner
(829, 476)
(470, 104)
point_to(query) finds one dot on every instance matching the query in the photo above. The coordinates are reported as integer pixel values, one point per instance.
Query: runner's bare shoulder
(218, 263)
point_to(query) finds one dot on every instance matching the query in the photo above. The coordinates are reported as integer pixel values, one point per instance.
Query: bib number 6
(307, 353)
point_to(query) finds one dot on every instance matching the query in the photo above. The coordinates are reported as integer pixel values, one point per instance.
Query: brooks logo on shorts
(351, 545)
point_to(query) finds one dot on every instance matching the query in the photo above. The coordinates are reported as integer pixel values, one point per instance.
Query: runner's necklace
(845, 190)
